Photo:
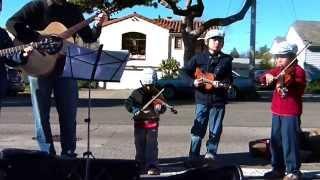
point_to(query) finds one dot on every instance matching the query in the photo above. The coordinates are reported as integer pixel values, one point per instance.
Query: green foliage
(85, 84)
(265, 55)
(266, 64)
(170, 68)
(313, 87)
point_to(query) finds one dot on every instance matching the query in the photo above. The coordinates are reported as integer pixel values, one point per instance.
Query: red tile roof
(174, 26)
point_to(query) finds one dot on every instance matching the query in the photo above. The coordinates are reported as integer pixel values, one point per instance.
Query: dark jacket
(221, 66)
(37, 15)
(138, 98)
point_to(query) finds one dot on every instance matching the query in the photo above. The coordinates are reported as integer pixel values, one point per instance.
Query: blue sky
(274, 17)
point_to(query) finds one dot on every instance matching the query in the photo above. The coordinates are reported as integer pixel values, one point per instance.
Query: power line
(228, 9)
(294, 9)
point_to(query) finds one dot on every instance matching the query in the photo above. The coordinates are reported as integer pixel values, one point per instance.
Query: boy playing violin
(146, 122)
(286, 109)
(210, 102)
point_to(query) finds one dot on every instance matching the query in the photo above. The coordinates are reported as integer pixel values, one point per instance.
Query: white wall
(129, 80)
(156, 39)
(177, 53)
(156, 48)
(294, 37)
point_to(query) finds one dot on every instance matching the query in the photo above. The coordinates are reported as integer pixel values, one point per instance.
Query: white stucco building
(148, 41)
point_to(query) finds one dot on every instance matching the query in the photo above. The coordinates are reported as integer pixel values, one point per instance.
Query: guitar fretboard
(16, 49)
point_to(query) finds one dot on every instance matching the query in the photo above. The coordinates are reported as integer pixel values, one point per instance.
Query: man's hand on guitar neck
(21, 57)
(27, 51)
(100, 19)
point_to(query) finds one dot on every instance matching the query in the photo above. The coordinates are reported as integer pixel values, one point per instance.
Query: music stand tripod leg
(88, 153)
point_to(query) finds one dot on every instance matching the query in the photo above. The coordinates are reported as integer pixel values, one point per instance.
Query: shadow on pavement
(24, 100)
(242, 158)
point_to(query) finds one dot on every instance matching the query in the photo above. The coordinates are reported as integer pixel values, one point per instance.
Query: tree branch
(225, 21)
(192, 10)
(188, 3)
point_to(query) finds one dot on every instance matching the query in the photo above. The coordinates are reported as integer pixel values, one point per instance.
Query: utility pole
(252, 43)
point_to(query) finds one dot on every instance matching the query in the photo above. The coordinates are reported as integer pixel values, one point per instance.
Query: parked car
(177, 87)
(257, 74)
(182, 86)
(15, 81)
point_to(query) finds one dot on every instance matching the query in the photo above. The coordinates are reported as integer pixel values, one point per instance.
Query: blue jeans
(66, 95)
(146, 143)
(285, 143)
(206, 114)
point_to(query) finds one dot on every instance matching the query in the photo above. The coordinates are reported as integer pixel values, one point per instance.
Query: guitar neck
(16, 49)
(72, 30)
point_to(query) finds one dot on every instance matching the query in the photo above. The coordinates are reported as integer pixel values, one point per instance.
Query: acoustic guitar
(41, 63)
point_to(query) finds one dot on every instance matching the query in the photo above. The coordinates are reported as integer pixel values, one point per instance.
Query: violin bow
(172, 109)
(295, 59)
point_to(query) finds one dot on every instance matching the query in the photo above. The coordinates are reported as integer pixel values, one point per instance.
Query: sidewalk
(122, 94)
(105, 93)
(265, 95)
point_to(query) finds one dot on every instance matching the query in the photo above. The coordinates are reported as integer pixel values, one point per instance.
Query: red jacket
(290, 105)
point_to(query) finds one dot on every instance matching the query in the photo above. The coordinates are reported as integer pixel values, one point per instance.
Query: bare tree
(189, 34)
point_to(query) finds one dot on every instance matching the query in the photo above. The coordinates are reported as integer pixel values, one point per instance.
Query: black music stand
(93, 65)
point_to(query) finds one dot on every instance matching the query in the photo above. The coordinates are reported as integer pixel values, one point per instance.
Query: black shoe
(274, 174)
(69, 156)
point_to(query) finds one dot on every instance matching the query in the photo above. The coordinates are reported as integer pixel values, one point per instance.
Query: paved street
(112, 130)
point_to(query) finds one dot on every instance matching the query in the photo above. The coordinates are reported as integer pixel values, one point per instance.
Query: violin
(160, 101)
(283, 81)
(207, 80)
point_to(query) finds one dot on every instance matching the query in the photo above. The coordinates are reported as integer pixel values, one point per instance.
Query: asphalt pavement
(111, 129)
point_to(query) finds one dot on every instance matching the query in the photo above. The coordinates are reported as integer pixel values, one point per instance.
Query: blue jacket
(221, 66)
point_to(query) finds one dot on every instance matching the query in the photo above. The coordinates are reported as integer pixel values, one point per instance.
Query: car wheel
(169, 92)
(232, 92)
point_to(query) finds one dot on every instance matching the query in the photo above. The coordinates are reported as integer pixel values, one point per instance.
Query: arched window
(136, 44)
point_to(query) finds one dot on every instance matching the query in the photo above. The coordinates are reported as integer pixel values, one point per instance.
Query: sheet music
(80, 63)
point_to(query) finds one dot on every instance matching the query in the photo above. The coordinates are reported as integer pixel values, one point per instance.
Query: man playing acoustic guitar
(24, 24)
(209, 70)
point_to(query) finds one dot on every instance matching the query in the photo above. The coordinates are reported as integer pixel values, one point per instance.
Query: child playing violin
(209, 70)
(286, 109)
(146, 122)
